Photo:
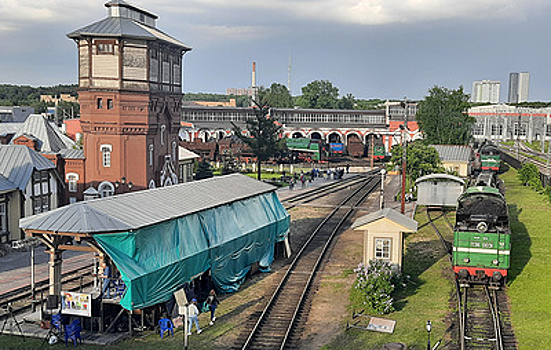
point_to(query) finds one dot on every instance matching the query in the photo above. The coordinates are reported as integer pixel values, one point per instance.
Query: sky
(387, 49)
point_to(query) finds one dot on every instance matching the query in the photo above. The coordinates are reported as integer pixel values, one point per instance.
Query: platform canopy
(162, 238)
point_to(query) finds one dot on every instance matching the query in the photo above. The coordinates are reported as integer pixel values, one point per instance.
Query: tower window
(105, 47)
(106, 155)
(100, 103)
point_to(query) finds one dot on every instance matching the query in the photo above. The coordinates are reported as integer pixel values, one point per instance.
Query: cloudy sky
(370, 48)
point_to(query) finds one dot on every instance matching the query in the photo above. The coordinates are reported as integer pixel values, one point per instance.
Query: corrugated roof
(439, 177)
(454, 152)
(17, 163)
(72, 153)
(9, 128)
(144, 208)
(6, 185)
(389, 213)
(49, 136)
(125, 27)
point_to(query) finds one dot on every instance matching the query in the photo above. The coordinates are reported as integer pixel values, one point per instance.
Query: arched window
(163, 128)
(174, 146)
(152, 184)
(72, 180)
(106, 155)
(151, 155)
(106, 189)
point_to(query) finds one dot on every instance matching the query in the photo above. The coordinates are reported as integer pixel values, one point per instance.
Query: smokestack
(254, 76)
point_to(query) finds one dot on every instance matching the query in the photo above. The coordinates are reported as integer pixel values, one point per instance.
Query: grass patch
(529, 281)
(426, 297)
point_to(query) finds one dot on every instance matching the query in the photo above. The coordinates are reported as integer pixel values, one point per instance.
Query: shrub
(375, 283)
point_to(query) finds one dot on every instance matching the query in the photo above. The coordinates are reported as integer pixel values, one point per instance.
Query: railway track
(276, 326)
(483, 314)
(322, 191)
(21, 298)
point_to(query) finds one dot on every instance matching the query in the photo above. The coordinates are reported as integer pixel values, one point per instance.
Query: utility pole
(371, 150)
(404, 129)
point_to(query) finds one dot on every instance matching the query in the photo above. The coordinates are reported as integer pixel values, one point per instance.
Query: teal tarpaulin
(155, 261)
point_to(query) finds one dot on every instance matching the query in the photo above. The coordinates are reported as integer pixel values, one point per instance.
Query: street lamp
(381, 203)
(429, 328)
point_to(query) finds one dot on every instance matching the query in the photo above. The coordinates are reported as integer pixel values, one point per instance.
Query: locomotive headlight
(495, 262)
(482, 227)
(466, 260)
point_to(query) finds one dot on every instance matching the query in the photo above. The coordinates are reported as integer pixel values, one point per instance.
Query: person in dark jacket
(212, 302)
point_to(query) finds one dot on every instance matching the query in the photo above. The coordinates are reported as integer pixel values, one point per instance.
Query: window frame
(380, 253)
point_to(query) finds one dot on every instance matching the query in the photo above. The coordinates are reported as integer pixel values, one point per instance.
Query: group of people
(211, 303)
(305, 177)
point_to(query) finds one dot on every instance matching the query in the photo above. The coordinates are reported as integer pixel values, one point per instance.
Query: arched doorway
(315, 135)
(297, 135)
(334, 138)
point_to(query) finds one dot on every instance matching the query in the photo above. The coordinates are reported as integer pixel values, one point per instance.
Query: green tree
(204, 170)
(347, 102)
(276, 96)
(420, 160)
(319, 94)
(443, 118)
(262, 135)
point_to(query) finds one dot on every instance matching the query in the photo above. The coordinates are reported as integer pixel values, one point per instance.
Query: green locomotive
(489, 157)
(482, 237)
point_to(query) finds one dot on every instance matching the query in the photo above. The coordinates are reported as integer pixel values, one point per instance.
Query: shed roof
(17, 163)
(454, 152)
(390, 214)
(139, 209)
(432, 177)
(71, 153)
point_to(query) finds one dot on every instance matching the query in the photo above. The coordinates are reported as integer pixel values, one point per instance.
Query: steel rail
(299, 256)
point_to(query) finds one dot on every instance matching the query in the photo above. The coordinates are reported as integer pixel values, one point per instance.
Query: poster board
(77, 304)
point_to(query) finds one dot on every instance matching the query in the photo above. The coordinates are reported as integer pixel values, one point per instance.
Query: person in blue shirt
(106, 276)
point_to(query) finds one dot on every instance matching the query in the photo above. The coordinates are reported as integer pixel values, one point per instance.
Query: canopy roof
(441, 177)
(139, 209)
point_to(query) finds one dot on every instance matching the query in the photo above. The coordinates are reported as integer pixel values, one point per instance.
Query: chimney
(254, 76)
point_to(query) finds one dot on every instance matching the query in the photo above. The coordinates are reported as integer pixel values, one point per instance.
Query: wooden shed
(383, 235)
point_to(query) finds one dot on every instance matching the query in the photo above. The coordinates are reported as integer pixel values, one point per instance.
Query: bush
(530, 175)
(375, 284)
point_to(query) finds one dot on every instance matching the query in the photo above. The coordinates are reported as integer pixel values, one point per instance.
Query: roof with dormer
(48, 136)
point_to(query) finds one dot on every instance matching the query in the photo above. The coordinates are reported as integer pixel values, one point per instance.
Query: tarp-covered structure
(168, 236)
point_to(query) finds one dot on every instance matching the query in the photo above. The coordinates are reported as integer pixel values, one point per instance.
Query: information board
(78, 304)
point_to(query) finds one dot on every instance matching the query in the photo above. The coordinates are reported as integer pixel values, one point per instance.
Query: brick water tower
(130, 92)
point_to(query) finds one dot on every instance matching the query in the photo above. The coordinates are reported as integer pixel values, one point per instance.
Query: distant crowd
(308, 177)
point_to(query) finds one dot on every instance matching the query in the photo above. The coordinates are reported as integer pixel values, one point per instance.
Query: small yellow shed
(383, 235)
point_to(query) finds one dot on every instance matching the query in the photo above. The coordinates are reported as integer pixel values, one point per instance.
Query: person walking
(193, 316)
(212, 302)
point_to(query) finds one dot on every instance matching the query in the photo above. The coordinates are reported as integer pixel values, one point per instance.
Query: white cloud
(365, 12)
(215, 33)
